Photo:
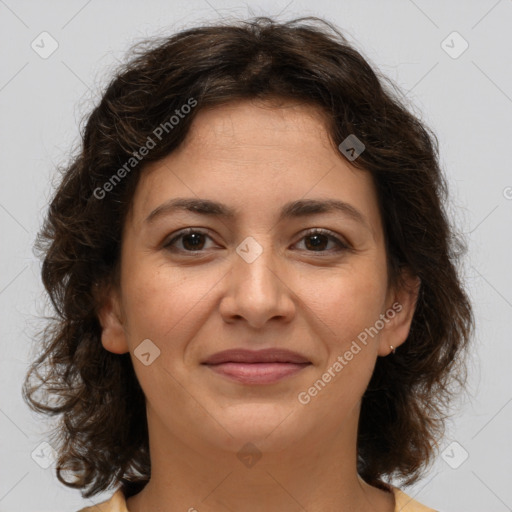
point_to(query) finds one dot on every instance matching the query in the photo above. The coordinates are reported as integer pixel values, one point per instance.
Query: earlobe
(400, 313)
(113, 337)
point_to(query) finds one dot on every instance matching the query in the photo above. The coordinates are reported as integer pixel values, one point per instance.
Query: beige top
(117, 503)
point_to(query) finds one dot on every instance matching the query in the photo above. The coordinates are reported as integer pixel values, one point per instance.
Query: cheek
(160, 301)
(348, 312)
(346, 303)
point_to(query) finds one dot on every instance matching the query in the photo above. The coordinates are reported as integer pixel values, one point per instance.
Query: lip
(257, 373)
(264, 366)
(269, 355)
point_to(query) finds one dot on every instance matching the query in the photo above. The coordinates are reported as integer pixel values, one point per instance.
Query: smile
(257, 373)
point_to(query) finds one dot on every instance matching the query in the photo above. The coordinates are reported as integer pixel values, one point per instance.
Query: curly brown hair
(102, 436)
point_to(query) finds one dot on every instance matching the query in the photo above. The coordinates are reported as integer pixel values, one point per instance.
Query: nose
(257, 291)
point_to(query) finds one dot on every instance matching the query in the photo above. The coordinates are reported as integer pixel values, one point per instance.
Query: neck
(315, 476)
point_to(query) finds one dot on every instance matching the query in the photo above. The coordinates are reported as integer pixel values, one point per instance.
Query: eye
(318, 239)
(192, 240)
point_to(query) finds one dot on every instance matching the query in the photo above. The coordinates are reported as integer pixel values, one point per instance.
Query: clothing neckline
(118, 501)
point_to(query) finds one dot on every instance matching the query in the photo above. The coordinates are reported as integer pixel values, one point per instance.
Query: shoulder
(404, 503)
(117, 503)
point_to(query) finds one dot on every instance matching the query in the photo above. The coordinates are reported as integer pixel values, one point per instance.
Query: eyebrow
(294, 209)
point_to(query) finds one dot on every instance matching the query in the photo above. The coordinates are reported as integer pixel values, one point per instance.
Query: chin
(266, 426)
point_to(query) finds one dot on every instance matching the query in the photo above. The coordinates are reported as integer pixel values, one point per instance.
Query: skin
(254, 157)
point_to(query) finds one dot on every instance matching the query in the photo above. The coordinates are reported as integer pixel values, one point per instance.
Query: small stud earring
(393, 350)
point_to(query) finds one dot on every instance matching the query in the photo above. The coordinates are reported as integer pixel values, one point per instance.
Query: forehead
(253, 132)
(256, 153)
(240, 120)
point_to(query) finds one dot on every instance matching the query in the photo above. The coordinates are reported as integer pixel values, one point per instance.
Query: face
(266, 276)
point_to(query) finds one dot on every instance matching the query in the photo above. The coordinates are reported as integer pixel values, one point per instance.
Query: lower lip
(257, 373)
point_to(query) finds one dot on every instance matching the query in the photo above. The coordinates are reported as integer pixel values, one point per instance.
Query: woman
(255, 279)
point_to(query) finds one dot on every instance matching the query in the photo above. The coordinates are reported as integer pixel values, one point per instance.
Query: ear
(401, 305)
(113, 337)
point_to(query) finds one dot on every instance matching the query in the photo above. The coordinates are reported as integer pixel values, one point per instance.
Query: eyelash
(312, 232)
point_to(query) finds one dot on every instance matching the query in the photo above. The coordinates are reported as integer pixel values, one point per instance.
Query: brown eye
(191, 240)
(318, 240)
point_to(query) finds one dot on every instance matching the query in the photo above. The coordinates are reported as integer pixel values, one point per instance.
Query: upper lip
(269, 355)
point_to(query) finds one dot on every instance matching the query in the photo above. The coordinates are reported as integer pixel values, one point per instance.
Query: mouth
(257, 367)
(257, 373)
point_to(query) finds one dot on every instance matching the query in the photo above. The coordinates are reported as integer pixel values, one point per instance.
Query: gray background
(466, 100)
